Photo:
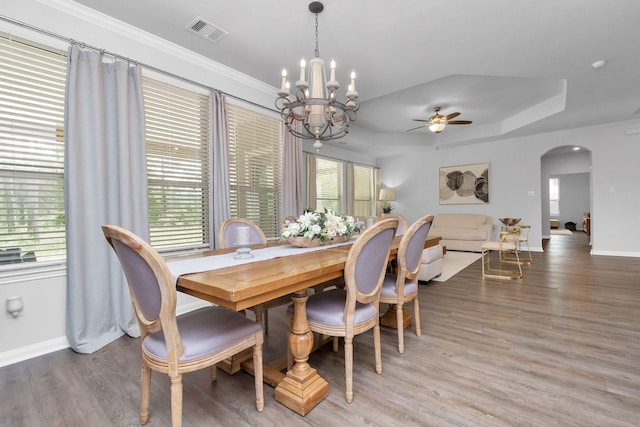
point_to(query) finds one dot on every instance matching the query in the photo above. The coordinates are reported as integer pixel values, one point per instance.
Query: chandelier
(314, 112)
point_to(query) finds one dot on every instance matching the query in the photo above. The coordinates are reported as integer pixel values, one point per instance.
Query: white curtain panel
(220, 205)
(292, 179)
(105, 183)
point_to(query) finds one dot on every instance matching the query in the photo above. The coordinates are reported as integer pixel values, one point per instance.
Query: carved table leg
(302, 388)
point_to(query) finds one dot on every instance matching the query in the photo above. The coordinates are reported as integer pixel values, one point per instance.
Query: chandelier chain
(317, 49)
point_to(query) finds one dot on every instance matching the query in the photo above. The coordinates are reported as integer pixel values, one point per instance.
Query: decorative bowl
(510, 222)
(305, 242)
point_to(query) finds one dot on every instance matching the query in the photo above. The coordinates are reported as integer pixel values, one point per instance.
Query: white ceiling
(513, 67)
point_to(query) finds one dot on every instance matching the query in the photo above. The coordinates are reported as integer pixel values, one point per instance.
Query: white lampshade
(387, 194)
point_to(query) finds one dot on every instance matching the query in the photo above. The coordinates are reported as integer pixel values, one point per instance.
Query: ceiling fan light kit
(437, 123)
(314, 112)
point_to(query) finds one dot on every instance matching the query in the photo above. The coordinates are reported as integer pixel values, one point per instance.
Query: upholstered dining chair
(506, 244)
(402, 222)
(355, 309)
(402, 287)
(227, 234)
(392, 267)
(227, 239)
(177, 345)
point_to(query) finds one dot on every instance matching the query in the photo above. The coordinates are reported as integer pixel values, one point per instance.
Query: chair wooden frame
(402, 221)
(353, 296)
(164, 320)
(408, 268)
(507, 243)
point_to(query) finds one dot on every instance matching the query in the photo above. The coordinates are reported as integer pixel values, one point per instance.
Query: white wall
(574, 198)
(515, 171)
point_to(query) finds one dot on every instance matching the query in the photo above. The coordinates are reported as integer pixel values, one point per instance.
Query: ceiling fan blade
(459, 122)
(451, 116)
(423, 126)
(421, 120)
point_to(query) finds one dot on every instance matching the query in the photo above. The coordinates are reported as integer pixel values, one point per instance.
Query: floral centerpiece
(321, 227)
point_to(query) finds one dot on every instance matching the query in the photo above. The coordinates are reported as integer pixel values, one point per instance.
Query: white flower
(324, 225)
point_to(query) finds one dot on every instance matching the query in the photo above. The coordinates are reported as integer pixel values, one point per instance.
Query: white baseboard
(616, 253)
(34, 350)
(38, 349)
(185, 308)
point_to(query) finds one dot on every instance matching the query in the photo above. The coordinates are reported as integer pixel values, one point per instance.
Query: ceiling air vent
(206, 29)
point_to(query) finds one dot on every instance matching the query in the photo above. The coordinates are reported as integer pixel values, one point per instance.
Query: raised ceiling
(515, 68)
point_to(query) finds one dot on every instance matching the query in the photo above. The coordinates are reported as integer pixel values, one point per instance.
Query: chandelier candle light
(314, 112)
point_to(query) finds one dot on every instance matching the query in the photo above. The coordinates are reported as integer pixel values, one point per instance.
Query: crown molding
(129, 31)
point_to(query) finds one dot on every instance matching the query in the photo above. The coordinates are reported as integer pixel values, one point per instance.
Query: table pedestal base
(301, 394)
(390, 318)
(302, 388)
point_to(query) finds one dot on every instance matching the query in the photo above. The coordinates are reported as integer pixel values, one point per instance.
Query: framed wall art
(465, 184)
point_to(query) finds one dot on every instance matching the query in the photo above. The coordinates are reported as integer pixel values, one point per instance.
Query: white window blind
(364, 191)
(32, 86)
(329, 183)
(177, 137)
(255, 165)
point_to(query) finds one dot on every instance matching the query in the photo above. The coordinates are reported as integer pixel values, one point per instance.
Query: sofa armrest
(489, 228)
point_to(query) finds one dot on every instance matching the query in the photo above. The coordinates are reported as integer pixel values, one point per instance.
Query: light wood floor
(560, 347)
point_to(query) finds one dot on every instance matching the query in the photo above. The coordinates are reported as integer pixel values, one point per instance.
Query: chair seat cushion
(389, 286)
(203, 332)
(327, 308)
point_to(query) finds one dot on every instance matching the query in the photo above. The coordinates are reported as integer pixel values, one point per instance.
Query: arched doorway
(570, 167)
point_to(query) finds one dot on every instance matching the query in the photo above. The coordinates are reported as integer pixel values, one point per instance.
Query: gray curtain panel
(105, 183)
(220, 205)
(292, 179)
(311, 182)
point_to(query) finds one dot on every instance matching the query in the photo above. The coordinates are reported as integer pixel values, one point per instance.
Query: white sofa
(431, 263)
(463, 232)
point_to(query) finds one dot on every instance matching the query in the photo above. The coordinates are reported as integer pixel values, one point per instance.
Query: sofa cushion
(459, 221)
(462, 234)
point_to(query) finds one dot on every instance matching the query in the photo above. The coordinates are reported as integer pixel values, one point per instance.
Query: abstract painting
(464, 184)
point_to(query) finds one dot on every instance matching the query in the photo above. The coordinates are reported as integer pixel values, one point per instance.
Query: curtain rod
(117, 56)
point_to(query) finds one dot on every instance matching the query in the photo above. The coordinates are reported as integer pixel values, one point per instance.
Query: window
(554, 197)
(32, 86)
(364, 191)
(177, 138)
(329, 184)
(255, 164)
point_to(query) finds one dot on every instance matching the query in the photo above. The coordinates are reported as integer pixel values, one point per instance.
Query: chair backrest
(366, 264)
(410, 249)
(402, 222)
(152, 289)
(227, 235)
(288, 220)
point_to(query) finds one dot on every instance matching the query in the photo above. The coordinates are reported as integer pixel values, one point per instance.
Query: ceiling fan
(438, 122)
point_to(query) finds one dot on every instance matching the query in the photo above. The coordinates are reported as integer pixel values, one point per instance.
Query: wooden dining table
(242, 286)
